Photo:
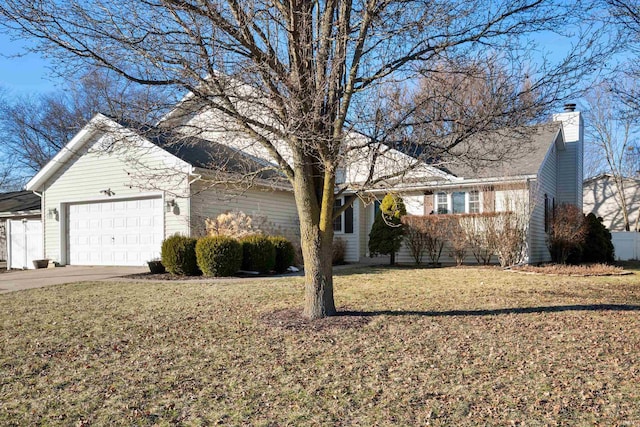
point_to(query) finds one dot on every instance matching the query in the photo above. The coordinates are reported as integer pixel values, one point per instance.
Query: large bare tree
(612, 140)
(33, 128)
(302, 79)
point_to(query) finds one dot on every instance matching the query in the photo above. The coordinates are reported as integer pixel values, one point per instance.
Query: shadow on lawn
(493, 312)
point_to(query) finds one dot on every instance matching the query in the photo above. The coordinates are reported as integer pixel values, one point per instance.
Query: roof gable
(97, 125)
(533, 145)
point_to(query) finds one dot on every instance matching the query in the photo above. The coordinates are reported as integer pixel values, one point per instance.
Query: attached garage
(115, 232)
(112, 195)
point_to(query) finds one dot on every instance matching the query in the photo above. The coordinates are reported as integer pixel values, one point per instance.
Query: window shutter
(428, 203)
(489, 200)
(348, 220)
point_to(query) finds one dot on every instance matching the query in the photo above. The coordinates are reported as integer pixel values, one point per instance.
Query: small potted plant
(155, 266)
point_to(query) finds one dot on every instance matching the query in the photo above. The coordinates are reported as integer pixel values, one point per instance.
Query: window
(442, 204)
(474, 202)
(457, 202)
(337, 221)
(343, 223)
(546, 213)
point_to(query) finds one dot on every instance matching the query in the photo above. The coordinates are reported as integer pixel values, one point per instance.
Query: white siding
(546, 184)
(127, 171)
(414, 204)
(352, 240)
(276, 207)
(570, 161)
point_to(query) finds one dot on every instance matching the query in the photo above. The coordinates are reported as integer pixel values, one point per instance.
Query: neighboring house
(601, 198)
(20, 229)
(112, 195)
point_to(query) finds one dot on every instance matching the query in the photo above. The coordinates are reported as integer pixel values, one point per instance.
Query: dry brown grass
(574, 270)
(417, 347)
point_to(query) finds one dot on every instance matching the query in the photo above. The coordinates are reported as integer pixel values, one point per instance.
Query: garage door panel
(122, 232)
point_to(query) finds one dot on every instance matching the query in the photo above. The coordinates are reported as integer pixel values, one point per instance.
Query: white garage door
(25, 242)
(121, 232)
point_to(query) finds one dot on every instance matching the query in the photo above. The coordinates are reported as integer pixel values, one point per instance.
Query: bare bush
(235, 224)
(415, 236)
(338, 252)
(507, 233)
(567, 233)
(473, 227)
(428, 233)
(457, 239)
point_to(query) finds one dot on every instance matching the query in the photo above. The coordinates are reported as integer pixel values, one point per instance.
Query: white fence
(627, 245)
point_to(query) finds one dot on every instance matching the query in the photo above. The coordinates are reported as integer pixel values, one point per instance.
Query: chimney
(571, 123)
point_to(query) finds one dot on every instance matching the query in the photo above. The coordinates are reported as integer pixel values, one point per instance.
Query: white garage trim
(110, 203)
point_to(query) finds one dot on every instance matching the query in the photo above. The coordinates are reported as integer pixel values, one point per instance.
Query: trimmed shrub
(258, 253)
(179, 255)
(219, 255)
(285, 253)
(338, 251)
(387, 231)
(597, 245)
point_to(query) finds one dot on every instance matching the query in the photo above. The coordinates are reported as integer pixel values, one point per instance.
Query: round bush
(258, 254)
(219, 255)
(285, 253)
(179, 255)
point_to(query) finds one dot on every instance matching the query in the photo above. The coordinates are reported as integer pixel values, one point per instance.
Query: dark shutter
(348, 220)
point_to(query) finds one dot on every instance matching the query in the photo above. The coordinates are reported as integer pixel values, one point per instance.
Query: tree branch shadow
(494, 312)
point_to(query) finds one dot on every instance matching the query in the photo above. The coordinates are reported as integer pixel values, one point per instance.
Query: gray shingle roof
(19, 201)
(205, 154)
(527, 149)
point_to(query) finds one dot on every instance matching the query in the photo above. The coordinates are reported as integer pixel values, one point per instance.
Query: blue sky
(26, 74)
(31, 73)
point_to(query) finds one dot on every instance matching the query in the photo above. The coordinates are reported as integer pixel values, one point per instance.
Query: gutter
(462, 183)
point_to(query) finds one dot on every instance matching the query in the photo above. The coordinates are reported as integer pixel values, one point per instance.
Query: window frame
(477, 201)
(437, 202)
(449, 202)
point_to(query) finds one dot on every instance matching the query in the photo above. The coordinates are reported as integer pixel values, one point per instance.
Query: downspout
(197, 177)
(42, 216)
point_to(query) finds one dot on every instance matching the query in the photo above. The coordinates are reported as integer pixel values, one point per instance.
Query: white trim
(7, 230)
(341, 231)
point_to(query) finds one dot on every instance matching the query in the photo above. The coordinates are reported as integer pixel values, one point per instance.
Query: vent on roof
(570, 107)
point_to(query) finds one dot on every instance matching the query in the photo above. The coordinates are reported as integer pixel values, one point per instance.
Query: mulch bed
(292, 320)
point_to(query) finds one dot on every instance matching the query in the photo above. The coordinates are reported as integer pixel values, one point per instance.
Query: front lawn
(446, 346)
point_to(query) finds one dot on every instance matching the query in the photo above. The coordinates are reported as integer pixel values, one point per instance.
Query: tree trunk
(315, 212)
(392, 258)
(318, 271)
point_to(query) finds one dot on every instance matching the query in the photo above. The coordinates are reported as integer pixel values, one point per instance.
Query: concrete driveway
(28, 279)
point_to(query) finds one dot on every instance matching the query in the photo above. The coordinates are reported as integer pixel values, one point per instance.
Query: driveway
(28, 279)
